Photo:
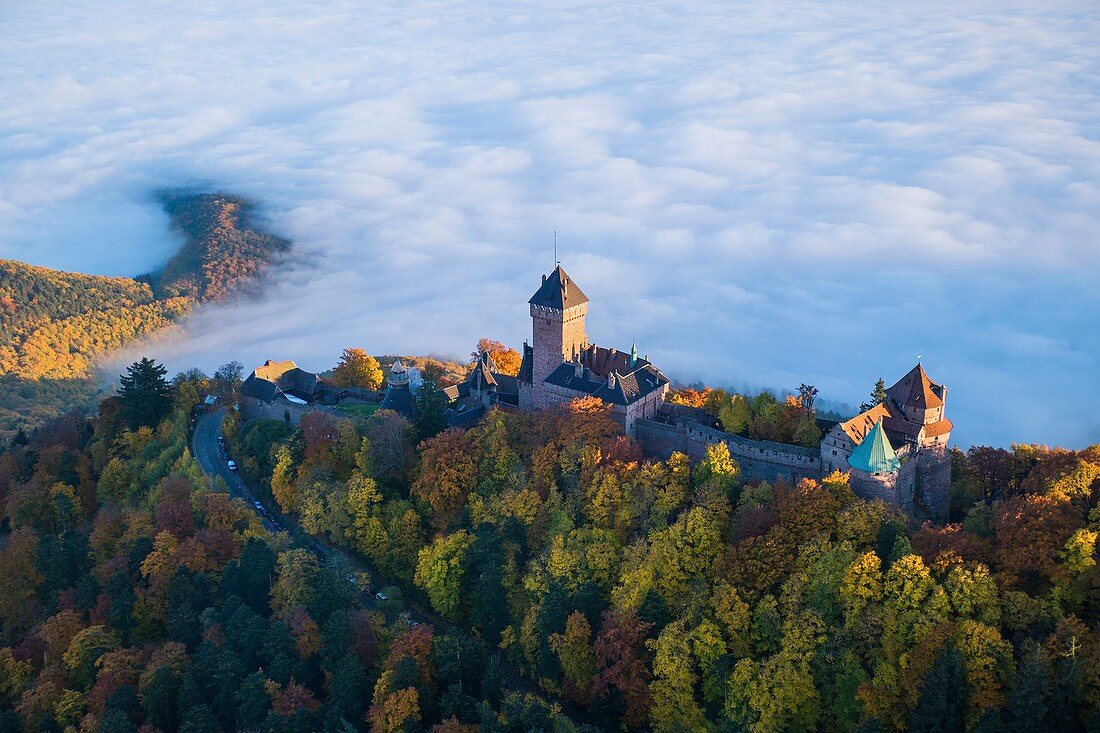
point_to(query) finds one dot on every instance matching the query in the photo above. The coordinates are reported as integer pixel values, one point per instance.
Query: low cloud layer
(760, 193)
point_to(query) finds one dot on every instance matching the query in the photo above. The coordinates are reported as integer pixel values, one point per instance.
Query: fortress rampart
(920, 487)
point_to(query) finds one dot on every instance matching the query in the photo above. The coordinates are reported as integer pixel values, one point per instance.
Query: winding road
(207, 451)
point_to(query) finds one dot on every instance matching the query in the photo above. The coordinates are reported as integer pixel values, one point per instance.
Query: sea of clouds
(761, 193)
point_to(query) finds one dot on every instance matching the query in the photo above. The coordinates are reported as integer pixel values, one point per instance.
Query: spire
(875, 454)
(633, 353)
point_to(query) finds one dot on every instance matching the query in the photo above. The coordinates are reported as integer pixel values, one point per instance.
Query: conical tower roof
(875, 454)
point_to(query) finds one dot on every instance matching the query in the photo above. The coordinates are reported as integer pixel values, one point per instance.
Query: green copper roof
(875, 454)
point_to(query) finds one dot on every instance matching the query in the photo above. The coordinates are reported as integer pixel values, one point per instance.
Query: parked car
(232, 465)
(258, 505)
(381, 595)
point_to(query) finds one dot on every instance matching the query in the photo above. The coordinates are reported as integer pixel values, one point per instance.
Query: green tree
(944, 696)
(85, 649)
(228, 376)
(439, 571)
(878, 394)
(145, 394)
(429, 405)
(674, 706)
(735, 414)
(578, 660)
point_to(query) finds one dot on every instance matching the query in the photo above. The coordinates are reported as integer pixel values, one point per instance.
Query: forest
(566, 583)
(666, 596)
(54, 325)
(137, 595)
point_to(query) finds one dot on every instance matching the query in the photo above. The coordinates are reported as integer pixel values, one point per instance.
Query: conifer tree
(428, 407)
(878, 395)
(144, 393)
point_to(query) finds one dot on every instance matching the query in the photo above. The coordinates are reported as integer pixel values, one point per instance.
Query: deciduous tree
(357, 369)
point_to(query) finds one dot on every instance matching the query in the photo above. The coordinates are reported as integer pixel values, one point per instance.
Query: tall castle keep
(558, 310)
(560, 364)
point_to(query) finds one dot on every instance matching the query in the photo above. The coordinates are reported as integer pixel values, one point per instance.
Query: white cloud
(760, 193)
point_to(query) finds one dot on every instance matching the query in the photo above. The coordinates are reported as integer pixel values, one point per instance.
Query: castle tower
(399, 396)
(558, 309)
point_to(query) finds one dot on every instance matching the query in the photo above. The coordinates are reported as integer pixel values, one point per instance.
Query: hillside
(224, 248)
(137, 594)
(54, 325)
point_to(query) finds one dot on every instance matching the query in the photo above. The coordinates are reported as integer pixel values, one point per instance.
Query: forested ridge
(667, 596)
(648, 595)
(135, 595)
(224, 248)
(54, 325)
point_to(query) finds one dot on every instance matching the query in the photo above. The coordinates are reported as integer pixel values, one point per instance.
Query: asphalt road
(207, 451)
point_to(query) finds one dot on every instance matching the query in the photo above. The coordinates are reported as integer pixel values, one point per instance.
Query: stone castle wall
(920, 487)
(759, 459)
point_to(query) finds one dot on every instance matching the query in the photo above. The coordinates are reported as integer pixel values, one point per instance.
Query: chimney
(611, 379)
(578, 370)
(544, 279)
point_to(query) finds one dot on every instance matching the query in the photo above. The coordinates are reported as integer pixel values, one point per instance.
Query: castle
(894, 451)
(560, 364)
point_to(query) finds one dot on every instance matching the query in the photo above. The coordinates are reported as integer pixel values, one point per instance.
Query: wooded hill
(54, 325)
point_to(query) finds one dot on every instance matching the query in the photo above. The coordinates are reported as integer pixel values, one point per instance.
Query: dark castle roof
(274, 377)
(399, 398)
(558, 291)
(526, 364)
(593, 376)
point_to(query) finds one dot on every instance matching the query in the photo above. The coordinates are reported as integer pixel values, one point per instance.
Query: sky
(760, 193)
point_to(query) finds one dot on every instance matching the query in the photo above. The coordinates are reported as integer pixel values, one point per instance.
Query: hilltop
(54, 325)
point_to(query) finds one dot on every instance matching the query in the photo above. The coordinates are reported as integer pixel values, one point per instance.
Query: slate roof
(875, 454)
(265, 383)
(526, 364)
(399, 398)
(464, 412)
(630, 383)
(558, 291)
(484, 370)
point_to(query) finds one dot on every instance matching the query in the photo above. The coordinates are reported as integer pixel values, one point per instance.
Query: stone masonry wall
(556, 336)
(920, 487)
(759, 459)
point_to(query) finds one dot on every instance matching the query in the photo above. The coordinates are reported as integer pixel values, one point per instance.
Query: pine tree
(943, 696)
(144, 393)
(428, 407)
(878, 395)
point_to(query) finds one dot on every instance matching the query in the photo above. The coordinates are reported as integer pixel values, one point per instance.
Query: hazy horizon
(760, 194)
